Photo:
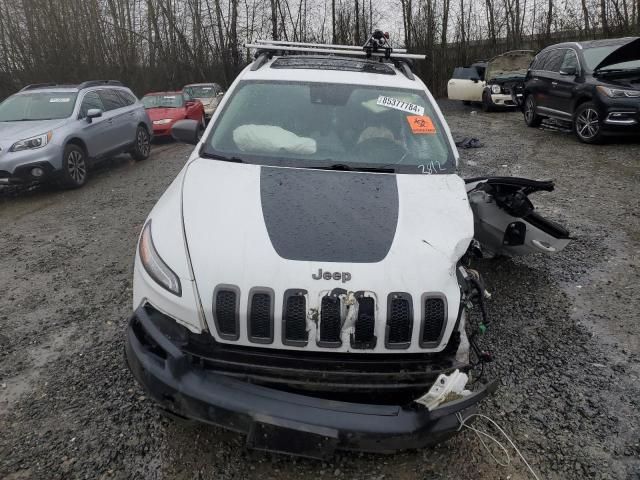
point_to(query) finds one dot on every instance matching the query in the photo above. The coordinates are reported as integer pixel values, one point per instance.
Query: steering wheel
(380, 150)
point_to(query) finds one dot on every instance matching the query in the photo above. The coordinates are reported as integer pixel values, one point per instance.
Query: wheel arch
(582, 98)
(77, 141)
(145, 126)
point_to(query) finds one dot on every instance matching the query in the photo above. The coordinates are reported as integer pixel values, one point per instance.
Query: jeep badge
(345, 276)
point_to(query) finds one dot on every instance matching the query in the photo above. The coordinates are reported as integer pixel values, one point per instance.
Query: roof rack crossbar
(357, 53)
(320, 45)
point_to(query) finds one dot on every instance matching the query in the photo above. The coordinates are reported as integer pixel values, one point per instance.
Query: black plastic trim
(399, 345)
(230, 288)
(252, 293)
(424, 297)
(292, 292)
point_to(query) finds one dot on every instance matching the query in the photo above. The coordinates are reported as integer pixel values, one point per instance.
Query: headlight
(618, 93)
(155, 266)
(164, 121)
(496, 89)
(32, 143)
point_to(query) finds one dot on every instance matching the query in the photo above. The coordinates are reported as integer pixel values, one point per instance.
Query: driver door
(465, 85)
(505, 221)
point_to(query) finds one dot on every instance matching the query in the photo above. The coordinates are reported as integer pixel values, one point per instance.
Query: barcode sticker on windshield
(400, 105)
(169, 97)
(59, 100)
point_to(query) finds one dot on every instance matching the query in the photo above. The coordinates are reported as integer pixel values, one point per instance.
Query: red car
(166, 108)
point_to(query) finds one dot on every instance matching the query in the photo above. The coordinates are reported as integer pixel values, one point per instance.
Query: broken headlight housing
(154, 265)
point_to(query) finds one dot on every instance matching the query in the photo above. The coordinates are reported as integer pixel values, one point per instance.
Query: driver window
(90, 100)
(570, 61)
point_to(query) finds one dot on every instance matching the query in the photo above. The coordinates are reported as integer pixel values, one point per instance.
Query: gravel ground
(565, 330)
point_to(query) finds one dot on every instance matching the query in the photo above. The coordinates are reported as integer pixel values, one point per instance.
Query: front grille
(365, 324)
(330, 321)
(298, 320)
(433, 319)
(225, 311)
(260, 317)
(399, 320)
(294, 318)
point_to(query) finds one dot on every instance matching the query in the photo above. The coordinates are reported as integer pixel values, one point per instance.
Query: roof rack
(97, 83)
(33, 86)
(376, 46)
(90, 83)
(331, 46)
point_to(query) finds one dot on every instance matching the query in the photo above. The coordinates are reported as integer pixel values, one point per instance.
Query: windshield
(593, 57)
(201, 91)
(162, 101)
(324, 125)
(37, 106)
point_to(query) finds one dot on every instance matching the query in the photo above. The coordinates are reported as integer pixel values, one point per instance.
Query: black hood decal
(626, 53)
(329, 216)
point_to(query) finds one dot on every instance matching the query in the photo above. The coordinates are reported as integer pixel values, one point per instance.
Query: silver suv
(55, 132)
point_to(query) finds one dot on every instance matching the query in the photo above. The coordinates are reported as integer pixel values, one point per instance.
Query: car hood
(14, 131)
(206, 100)
(509, 64)
(273, 227)
(627, 52)
(160, 113)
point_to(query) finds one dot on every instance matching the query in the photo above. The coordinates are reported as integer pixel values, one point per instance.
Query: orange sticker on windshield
(421, 125)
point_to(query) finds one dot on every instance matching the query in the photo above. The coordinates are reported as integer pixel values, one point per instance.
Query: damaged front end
(505, 76)
(309, 403)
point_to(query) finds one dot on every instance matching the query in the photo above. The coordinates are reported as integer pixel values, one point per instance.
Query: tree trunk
(357, 23)
(274, 19)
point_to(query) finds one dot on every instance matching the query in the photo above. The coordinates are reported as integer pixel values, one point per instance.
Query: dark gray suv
(55, 132)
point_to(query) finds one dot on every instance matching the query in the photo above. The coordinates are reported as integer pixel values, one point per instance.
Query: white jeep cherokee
(305, 277)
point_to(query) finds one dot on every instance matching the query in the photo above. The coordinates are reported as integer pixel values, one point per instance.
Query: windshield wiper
(348, 168)
(216, 156)
(615, 71)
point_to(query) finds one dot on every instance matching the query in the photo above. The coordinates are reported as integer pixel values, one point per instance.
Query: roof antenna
(378, 41)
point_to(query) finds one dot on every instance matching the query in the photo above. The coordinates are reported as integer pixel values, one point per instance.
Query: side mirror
(186, 131)
(93, 113)
(569, 71)
(220, 94)
(475, 79)
(189, 103)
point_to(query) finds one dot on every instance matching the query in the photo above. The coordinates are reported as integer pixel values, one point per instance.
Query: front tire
(487, 104)
(75, 168)
(531, 118)
(142, 147)
(586, 124)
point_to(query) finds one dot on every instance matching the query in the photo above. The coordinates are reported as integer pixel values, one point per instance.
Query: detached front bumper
(278, 420)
